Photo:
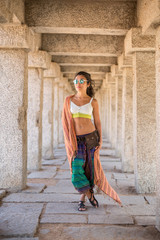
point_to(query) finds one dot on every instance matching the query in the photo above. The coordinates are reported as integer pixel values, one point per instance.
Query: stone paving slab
(72, 208)
(43, 173)
(125, 182)
(62, 186)
(63, 218)
(34, 188)
(132, 200)
(109, 159)
(145, 220)
(119, 176)
(55, 161)
(63, 175)
(111, 166)
(2, 193)
(107, 151)
(103, 232)
(19, 219)
(110, 219)
(141, 210)
(19, 238)
(116, 210)
(65, 166)
(40, 197)
(151, 199)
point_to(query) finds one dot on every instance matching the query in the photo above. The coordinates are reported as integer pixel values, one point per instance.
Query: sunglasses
(81, 81)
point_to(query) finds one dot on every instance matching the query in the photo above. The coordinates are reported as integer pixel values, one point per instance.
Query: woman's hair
(90, 90)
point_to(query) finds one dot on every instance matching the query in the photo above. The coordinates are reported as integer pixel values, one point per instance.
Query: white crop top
(81, 111)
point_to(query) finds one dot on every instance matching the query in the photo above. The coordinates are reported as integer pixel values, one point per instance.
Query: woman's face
(81, 87)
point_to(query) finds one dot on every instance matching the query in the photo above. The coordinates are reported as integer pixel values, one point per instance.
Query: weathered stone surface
(145, 220)
(111, 165)
(63, 218)
(68, 69)
(41, 197)
(39, 59)
(34, 118)
(43, 173)
(135, 41)
(65, 166)
(107, 152)
(63, 186)
(133, 200)
(2, 193)
(19, 219)
(88, 232)
(110, 219)
(20, 238)
(65, 14)
(63, 175)
(141, 210)
(13, 124)
(73, 208)
(57, 162)
(47, 118)
(151, 199)
(34, 188)
(73, 43)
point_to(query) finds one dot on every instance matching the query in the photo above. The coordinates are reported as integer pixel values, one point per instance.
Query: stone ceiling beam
(84, 68)
(84, 44)
(78, 14)
(93, 76)
(84, 59)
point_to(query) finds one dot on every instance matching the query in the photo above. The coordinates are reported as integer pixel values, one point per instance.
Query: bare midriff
(83, 125)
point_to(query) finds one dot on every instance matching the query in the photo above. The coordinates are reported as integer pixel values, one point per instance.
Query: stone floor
(47, 208)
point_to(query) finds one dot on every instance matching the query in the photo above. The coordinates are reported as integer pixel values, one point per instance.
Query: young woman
(83, 140)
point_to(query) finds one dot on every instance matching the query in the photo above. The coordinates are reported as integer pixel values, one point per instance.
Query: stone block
(21, 238)
(63, 175)
(151, 199)
(110, 219)
(133, 200)
(41, 197)
(145, 220)
(39, 59)
(56, 162)
(104, 152)
(144, 210)
(45, 172)
(19, 219)
(34, 188)
(72, 208)
(104, 232)
(109, 159)
(63, 218)
(135, 41)
(110, 166)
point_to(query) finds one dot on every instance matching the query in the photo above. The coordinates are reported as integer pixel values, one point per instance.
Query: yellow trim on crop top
(83, 115)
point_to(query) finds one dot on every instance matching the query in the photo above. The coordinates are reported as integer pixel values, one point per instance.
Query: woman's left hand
(99, 147)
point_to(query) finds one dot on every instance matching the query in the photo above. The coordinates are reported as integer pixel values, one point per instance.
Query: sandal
(81, 206)
(93, 201)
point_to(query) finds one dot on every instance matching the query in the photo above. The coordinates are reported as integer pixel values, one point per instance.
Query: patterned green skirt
(83, 168)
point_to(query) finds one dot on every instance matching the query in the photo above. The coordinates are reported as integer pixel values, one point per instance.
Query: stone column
(125, 64)
(61, 94)
(14, 45)
(48, 110)
(117, 75)
(111, 108)
(144, 112)
(157, 61)
(56, 112)
(37, 61)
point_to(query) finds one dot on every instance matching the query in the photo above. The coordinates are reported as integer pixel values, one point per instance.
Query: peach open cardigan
(71, 149)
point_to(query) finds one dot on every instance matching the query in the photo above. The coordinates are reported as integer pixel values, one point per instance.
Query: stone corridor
(43, 44)
(47, 209)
